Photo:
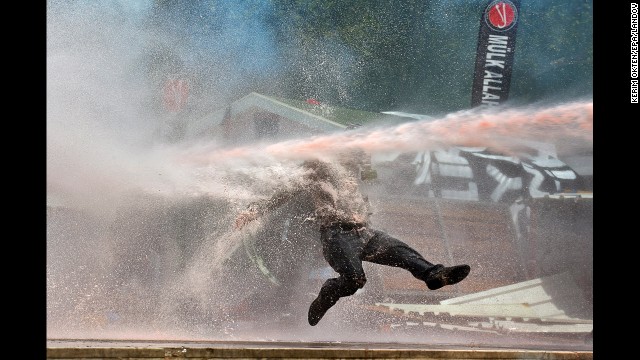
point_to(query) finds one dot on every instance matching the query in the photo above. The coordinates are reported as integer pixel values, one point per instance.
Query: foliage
(418, 56)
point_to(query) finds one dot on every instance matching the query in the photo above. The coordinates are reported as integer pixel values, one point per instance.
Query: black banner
(494, 57)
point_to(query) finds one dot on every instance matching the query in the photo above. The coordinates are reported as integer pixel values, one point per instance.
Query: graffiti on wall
(478, 174)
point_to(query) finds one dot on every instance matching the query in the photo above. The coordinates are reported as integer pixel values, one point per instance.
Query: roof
(311, 113)
(336, 114)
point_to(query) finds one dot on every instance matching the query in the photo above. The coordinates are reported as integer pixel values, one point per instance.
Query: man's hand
(244, 218)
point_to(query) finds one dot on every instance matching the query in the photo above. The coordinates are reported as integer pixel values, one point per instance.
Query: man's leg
(386, 250)
(342, 251)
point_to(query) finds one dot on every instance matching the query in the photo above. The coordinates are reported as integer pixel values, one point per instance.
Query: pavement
(112, 349)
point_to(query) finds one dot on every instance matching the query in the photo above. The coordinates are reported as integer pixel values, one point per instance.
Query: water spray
(494, 128)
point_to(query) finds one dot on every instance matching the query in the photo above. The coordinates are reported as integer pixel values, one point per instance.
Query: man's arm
(259, 208)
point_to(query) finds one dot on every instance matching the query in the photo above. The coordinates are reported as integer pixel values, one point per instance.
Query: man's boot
(441, 275)
(319, 307)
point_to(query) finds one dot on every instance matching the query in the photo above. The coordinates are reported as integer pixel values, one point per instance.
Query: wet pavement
(119, 349)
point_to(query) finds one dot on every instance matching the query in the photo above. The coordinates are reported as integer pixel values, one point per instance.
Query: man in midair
(328, 195)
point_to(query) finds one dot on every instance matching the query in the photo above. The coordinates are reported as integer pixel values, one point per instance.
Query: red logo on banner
(175, 94)
(501, 15)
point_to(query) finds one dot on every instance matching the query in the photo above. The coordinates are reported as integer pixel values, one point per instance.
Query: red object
(175, 94)
(313, 101)
(501, 14)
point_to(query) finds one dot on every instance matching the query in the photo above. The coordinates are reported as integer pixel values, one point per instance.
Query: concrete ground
(95, 349)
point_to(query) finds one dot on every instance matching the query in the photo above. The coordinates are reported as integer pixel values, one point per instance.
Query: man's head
(318, 170)
(351, 159)
(359, 163)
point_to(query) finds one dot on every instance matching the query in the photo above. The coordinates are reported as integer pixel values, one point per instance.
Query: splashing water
(231, 177)
(496, 129)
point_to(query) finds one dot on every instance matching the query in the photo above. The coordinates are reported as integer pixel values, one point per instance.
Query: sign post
(494, 57)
